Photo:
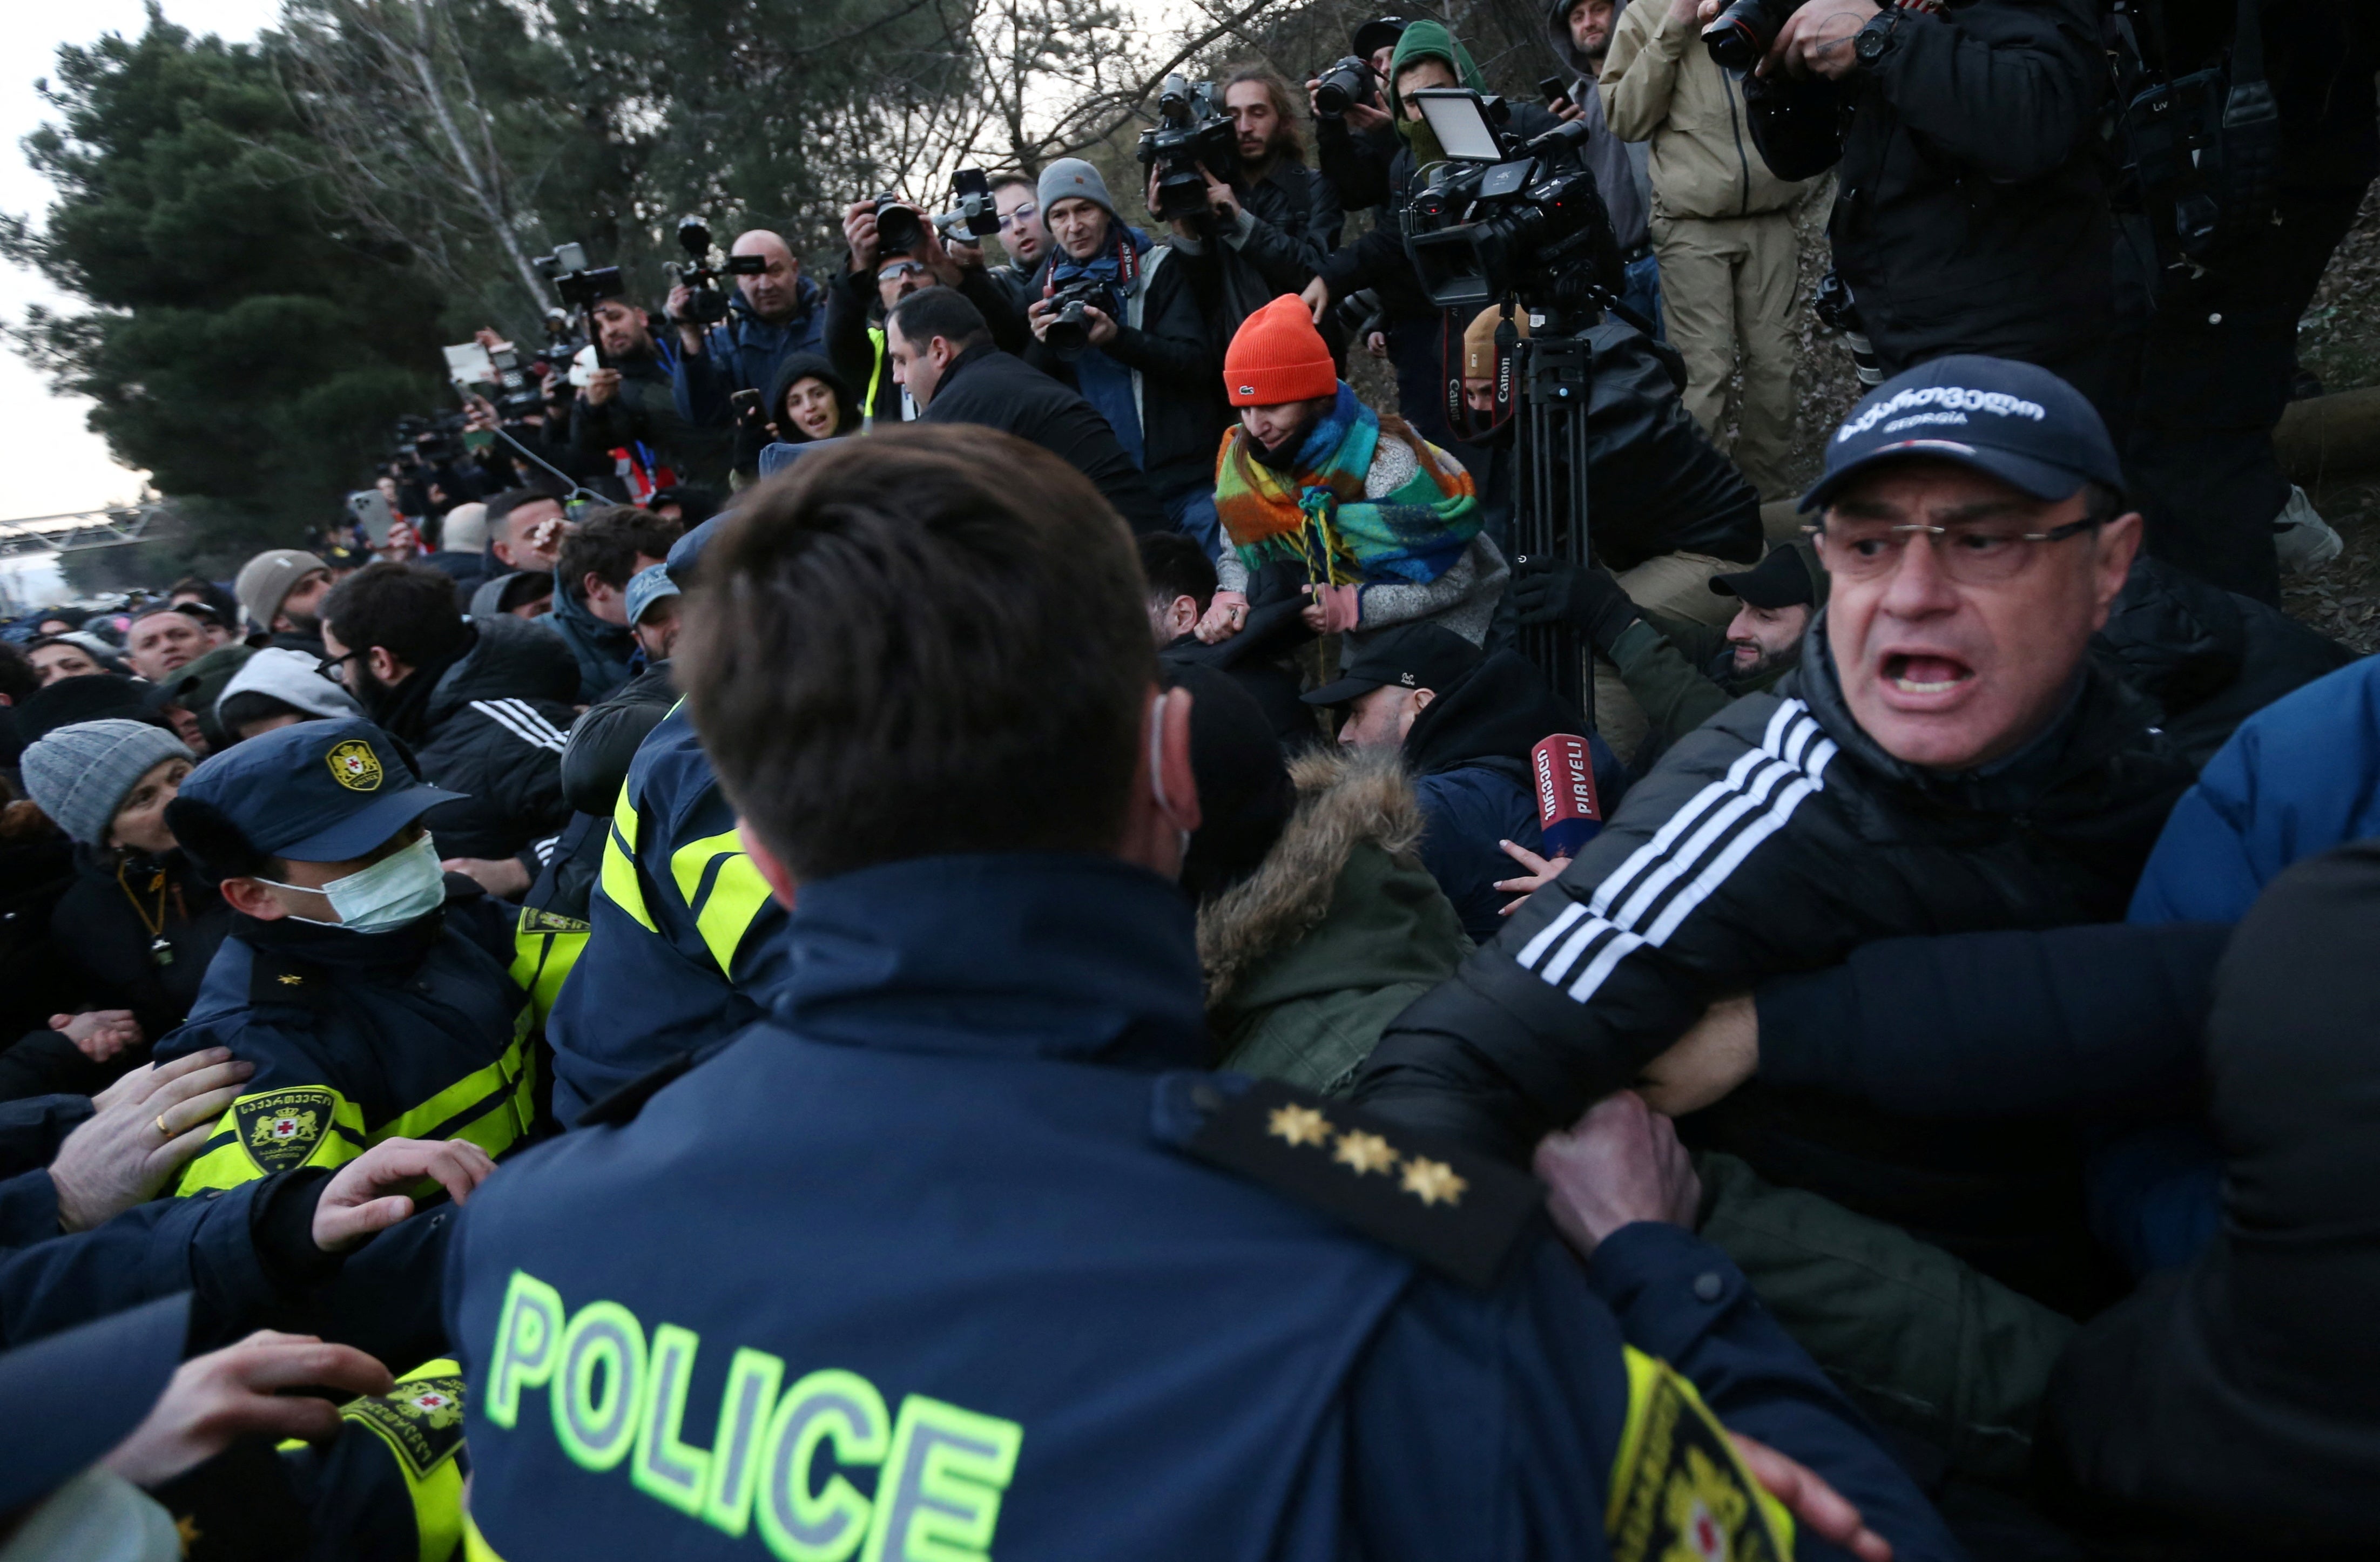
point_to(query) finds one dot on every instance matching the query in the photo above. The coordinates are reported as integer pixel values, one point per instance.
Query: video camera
(709, 304)
(515, 392)
(430, 441)
(1067, 335)
(1342, 85)
(1500, 220)
(1191, 133)
(579, 285)
(1743, 35)
(974, 217)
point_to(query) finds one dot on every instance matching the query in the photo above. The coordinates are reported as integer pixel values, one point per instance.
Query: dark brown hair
(407, 610)
(927, 641)
(1291, 138)
(606, 543)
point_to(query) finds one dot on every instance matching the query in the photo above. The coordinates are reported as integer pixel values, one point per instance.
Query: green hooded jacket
(1428, 40)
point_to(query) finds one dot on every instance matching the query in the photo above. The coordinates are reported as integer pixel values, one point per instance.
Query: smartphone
(747, 408)
(1552, 89)
(369, 508)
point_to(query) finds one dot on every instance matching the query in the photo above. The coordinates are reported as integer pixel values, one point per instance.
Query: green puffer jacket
(1311, 956)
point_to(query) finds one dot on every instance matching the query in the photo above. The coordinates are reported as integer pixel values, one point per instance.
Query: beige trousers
(1727, 297)
(1676, 584)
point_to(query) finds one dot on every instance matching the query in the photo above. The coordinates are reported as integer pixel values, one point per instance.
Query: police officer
(368, 989)
(959, 1253)
(684, 935)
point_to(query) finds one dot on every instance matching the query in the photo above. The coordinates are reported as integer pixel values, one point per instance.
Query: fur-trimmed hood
(1344, 797)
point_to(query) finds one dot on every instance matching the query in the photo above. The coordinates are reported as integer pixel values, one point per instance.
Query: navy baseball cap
(86, 1388)
(318, 792)
(1418, 656)
(2015, 421)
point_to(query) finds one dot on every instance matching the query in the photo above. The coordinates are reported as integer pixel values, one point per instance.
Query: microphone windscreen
(1568, 812)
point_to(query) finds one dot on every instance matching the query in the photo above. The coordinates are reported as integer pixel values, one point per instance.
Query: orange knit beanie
(1278, 357)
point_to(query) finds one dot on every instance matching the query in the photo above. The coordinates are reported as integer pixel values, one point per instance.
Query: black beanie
(1244, 794)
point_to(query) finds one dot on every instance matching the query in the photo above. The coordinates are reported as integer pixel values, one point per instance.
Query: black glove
(1586, 597)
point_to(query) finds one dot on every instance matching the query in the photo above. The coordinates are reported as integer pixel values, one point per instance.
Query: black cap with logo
(1419, 656)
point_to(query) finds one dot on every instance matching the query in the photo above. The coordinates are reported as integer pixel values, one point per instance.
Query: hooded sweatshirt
(1618, 166)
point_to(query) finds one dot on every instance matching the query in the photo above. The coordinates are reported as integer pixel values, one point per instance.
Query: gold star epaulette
(275, 978)
(1452, 1208)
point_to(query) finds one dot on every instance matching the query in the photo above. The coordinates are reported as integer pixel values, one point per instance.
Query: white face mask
(401, 888)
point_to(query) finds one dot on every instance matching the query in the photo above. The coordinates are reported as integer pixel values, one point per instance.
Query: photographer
(880, 276)
(1972, 214)
(1427, 55)
(631, 402)
(774, 314)
(1722, 224)
(1149, 365)
(1353, 149)
(1285, 216)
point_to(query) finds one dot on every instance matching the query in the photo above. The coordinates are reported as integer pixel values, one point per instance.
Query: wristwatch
(1871, 41)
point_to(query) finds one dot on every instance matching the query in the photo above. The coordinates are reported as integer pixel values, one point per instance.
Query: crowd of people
(746, 974)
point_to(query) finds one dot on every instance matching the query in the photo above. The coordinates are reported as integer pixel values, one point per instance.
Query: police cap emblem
(355, 765)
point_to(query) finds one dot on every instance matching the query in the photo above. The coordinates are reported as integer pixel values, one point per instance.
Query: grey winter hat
(1071, 176)
(293, 678)
(79, 775)
(264, 580)
(464, 530)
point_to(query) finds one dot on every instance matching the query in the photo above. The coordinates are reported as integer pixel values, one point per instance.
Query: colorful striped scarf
(1315, 512)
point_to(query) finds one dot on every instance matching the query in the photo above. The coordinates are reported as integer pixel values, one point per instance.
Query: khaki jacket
(1660, 85)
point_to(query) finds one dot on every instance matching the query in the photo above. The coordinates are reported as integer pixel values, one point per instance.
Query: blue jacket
(681, 947)
(417, 1034)
(920, 1228)
(742, 352)
(1464, 812)
(606, 653)
(2297, 778)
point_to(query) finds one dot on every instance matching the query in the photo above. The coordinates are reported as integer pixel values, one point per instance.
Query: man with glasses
(1945, 759)
(879, 277)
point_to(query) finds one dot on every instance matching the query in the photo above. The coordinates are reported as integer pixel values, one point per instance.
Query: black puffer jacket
(1777, 836)
(491, 724)
(1971, 213)
(2210, 658)
(595, 762)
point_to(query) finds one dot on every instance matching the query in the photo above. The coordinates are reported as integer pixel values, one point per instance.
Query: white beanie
(291, 677)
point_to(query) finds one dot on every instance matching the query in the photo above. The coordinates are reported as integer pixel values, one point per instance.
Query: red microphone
(1568, 812)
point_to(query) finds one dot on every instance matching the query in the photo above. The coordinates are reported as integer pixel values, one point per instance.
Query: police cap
(318, 792)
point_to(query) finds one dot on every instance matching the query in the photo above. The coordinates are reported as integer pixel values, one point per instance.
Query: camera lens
(898, 231)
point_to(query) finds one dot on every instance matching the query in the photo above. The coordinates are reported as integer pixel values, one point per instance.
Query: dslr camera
(1192, 130)
(974, 216)
(1067, 335)
(580, 287)
(1342, 85)
(709, 304)
(1499, 219)
(1745, 32)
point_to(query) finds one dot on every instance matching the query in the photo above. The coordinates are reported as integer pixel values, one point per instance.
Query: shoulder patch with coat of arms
(355, 765)
(280, 1128)
(421, 1422)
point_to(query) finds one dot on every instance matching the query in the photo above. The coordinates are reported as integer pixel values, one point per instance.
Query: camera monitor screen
(1459, 120)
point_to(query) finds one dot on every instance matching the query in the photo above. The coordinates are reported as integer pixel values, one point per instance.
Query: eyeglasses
(1978, 553)
(900, 268)
(334, 667)
(1019, 217)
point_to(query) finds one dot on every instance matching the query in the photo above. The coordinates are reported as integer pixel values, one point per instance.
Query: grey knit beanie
(79, 775)
(1071, 176)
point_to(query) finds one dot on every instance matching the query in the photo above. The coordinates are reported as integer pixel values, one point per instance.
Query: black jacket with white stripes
(1776, 838)
(493, 728)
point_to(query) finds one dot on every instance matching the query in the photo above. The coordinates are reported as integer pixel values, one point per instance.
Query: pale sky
(53, 463)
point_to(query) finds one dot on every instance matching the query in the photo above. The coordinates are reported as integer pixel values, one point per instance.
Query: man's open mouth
(1924, 675)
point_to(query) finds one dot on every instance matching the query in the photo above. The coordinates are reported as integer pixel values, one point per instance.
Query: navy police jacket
(683, 948)
(417, 1034)
(933, 1264)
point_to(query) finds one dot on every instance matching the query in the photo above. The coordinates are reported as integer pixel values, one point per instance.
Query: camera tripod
(1543, 382)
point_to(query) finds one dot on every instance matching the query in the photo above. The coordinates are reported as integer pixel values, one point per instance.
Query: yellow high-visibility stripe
(737, 892)
(618, 878)
(226, 1163)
